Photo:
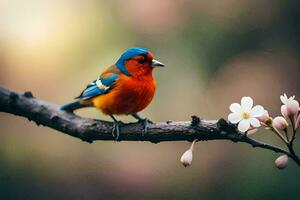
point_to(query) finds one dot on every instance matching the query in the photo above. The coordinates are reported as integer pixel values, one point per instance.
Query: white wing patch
(101, 85)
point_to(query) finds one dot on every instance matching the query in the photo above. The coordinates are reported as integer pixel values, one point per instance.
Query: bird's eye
(141, 60)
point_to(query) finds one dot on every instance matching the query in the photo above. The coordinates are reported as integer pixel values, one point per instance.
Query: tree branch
(89, 130)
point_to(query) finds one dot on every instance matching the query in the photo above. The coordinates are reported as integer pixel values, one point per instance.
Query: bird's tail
(76, 104)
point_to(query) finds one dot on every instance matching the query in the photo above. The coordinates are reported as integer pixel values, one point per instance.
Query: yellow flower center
(246, 115)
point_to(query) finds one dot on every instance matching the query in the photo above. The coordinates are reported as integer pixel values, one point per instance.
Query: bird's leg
(116, 128)
(144, 121)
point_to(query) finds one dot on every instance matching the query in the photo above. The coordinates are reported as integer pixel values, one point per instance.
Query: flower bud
(251, 131)
(265, 117)
(292, 108)
(284, 112)
(282, 162)
(187, 157)
(280, 123)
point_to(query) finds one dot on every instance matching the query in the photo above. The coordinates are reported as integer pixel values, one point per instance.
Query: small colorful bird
(125, 88)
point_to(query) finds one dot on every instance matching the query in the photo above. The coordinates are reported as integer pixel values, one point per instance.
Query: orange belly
(128, 96)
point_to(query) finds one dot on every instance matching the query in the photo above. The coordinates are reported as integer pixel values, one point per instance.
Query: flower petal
(251, 131)
(257, 111)
(283, 98)
(284, 111)
(254, 122)
(235, 108)
(244, 125)
(292, 98)
(234, 117)
(246, 103)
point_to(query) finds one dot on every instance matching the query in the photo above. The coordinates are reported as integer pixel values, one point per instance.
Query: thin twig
(279, 135)
(290, 145)
(293, 128)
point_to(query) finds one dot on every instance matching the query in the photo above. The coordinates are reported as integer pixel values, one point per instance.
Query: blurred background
(216, 51)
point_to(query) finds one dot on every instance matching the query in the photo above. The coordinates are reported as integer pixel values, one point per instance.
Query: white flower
(245, 115)
(285, 100)
(290, 106)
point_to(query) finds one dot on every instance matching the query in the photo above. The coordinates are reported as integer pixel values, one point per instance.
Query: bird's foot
(145, 123)
(116, 129)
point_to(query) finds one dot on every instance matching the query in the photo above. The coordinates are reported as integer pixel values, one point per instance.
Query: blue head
(130, 54)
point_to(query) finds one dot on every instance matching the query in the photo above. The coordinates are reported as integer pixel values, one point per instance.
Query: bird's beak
(156, 63)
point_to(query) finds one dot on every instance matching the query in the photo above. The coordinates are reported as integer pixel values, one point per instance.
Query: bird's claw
(145, 123)
(116, 129)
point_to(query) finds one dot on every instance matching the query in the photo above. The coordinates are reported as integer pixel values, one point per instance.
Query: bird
(125, 88)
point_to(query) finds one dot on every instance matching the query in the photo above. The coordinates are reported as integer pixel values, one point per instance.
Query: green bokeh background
(216, 51)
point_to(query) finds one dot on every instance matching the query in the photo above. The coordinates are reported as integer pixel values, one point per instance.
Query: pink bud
(284, 111)
(282, 162)
(251, 131)
(292, 108)
(280, 123)
(187, 157)
(264, 117)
